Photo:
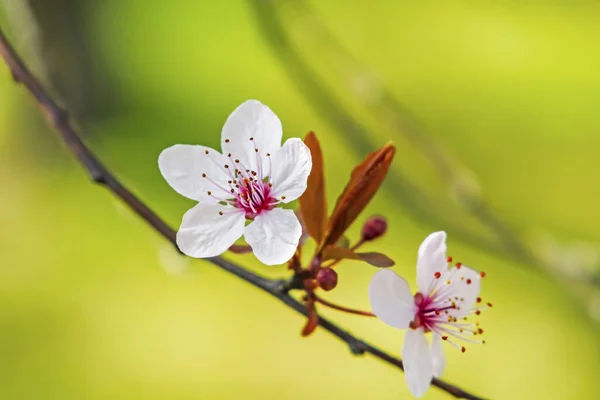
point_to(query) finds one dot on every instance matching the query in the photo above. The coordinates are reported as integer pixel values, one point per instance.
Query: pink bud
(327, 279)
(374, 227)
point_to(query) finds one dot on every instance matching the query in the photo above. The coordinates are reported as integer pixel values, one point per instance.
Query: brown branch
(279, 289)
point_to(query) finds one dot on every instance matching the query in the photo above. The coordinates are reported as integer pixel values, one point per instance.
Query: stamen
(270, 170)
(216, 184)
(259, 166)
(456, 335)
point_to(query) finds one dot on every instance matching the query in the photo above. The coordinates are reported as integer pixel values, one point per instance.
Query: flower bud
(374, 227)
(327, 279)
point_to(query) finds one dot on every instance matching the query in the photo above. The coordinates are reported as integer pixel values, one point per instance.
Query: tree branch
(59, 119)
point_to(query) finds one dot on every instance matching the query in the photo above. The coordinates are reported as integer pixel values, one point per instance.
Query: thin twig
(334, 306)
(279, 289)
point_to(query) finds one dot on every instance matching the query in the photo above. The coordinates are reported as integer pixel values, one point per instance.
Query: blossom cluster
(241, 191)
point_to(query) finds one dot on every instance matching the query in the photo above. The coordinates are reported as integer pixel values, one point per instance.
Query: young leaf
(373, 258)
(364, 183)
(240, 249)
(313, 203)
(377, 259)
(313, 319)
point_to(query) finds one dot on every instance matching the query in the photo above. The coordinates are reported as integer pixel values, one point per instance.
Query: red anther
(468, 281)
(482, 274)
(479, 299)
(458, 265)
(437, 275)
(444, 337)
(449, 259)
(489, 305)
(464, 349)
(477, 312)
(480, 331)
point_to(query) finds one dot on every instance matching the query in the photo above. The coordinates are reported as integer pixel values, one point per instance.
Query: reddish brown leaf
(313, 203)
(373, 258)
(313, 319)
(377, 259)
(337, 253)
(364, 183)
(240, 249)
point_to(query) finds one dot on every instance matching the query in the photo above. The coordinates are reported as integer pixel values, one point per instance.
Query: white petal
(183, 165)
(418, 367)
(274, 236)
(431, 259)
(466, 285)
(391, 299)
(206, 233)
(252, 120)
(290, 167)
(438, 360)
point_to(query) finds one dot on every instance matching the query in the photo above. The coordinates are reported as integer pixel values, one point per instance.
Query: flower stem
(341, 308)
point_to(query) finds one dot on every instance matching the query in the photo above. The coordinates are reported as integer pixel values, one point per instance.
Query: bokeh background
(493, 106)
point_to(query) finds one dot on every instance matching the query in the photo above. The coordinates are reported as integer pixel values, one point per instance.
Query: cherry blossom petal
(274, 236)
(438, 360)
(418, 367)
(391, 299)
(431, 259)
(251, 126)
(291, 165)
(193, 173)
(466, 285)
(204, 232)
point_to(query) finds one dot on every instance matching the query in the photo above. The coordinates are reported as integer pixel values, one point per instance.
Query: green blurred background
(95, 305)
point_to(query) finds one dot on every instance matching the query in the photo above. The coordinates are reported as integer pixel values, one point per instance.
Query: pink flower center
(444, 309)
(247, 190)
(254, 197)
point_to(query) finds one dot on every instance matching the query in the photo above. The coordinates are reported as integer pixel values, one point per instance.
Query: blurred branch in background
(56, 40)
(291, 27)
(277, 288)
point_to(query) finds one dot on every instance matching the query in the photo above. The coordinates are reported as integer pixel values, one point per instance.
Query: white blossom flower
(247, 181)
(442, 305)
